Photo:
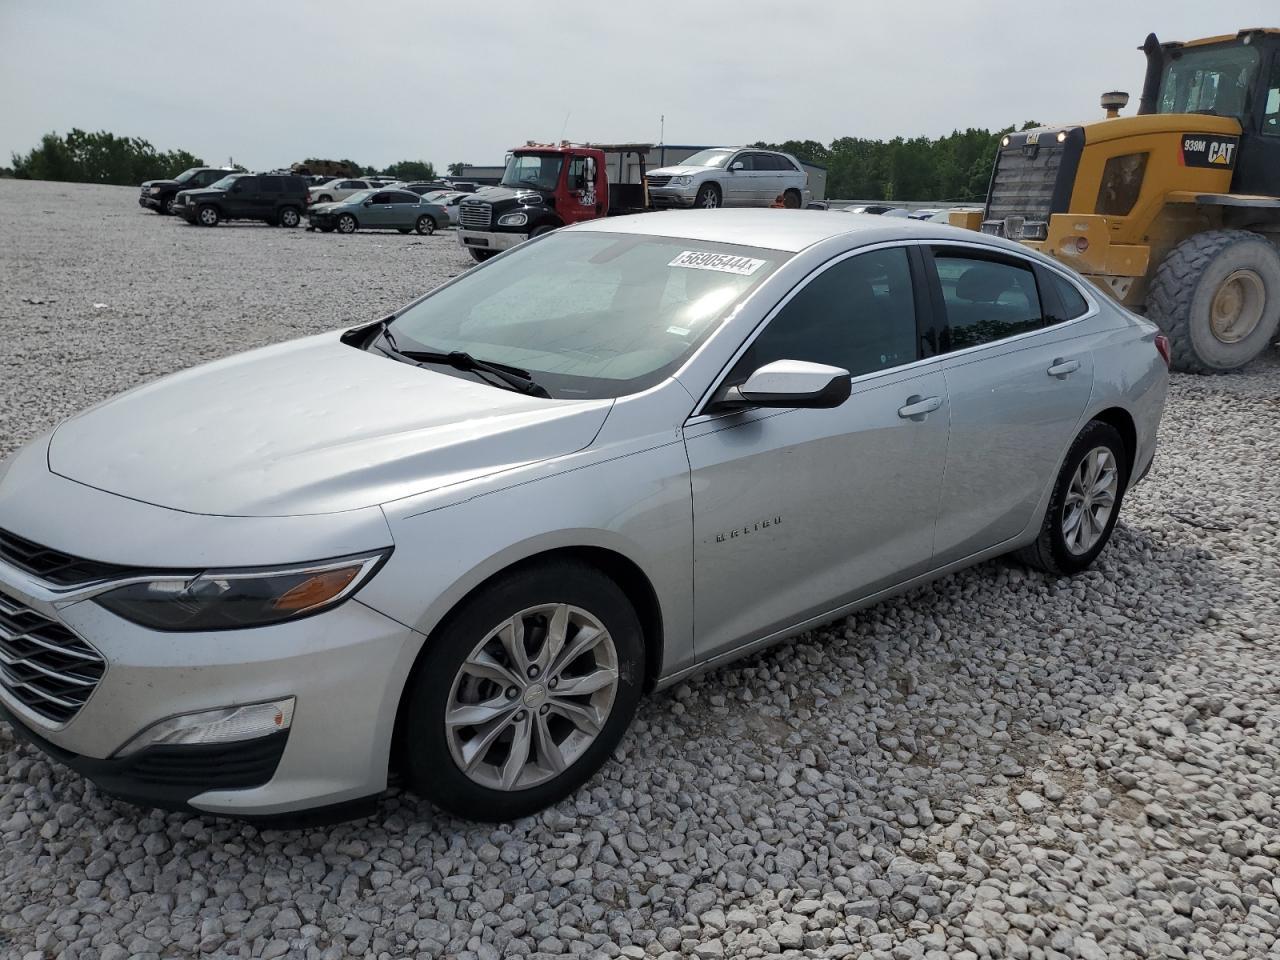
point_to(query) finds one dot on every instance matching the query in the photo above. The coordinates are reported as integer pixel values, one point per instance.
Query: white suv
(730, 177)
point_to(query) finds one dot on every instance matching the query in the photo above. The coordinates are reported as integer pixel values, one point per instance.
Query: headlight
(155, 189)
(681, 181)
(231, 599)
(513, 220)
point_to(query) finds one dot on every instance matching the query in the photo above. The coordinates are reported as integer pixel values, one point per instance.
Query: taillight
(1162, 346)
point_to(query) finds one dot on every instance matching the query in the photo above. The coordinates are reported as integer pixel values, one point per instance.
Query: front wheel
(166, 206)
(708, 197)
(1085, 504)
(480, 256)
(347, 223)
(208, 216)
(425, 225)
(523, 693)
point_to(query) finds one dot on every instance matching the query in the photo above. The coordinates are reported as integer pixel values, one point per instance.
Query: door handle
(1063, 368)
(918, 407)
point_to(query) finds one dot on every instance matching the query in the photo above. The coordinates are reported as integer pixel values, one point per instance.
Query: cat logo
(1209, 150)
(1033, 138)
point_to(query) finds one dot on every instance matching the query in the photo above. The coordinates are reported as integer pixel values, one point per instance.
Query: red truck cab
(546, 186)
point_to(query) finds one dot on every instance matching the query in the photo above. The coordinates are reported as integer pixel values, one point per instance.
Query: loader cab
(1230, 76)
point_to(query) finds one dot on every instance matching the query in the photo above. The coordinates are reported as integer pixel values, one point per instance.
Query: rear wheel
(289, 217)
(708, 197)
(324, 198)
(1217, 296)
(347, 223)
(207, 216)
(523, 693)
(1085, 503)
(791, 199)
(425, 225)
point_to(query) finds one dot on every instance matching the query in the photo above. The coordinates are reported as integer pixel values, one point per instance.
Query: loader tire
(1217, 296)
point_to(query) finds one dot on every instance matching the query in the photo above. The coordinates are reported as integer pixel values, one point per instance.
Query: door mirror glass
(736, 166)
(793, 383)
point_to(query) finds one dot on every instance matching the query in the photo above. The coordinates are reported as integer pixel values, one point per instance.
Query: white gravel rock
(860, 791)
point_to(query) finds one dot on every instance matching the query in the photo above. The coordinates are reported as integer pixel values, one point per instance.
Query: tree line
(101, 157)
(954, 168)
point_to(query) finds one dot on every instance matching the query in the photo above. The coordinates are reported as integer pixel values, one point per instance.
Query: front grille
(1024, 183)
(478, 216)
(658, 181)
(44, 665)
(54, 566)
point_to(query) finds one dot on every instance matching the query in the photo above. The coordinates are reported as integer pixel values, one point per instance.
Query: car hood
(311, 426)
(160, 183)
(497, 195)
(327, 207)
(679, 171)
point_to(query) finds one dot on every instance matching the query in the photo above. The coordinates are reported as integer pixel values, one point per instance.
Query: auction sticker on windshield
(724, 262)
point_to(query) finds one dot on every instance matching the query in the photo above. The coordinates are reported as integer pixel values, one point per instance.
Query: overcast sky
(269, 82)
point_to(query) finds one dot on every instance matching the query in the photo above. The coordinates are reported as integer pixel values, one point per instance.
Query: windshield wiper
(513, 377)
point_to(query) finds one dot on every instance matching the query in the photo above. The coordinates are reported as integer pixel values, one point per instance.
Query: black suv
(277, 199)
(158, 194)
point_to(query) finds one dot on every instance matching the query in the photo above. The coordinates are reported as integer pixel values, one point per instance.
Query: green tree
(411, 170)
(455, 169)
(99, 157)
(956, 167)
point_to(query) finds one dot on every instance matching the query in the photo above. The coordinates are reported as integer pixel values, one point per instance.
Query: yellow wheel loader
(1174, 212)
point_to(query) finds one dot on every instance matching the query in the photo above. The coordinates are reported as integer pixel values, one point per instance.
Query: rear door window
(985, 298)
(401, 196)
(271, 184)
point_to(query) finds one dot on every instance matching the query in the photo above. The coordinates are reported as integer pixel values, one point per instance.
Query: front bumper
(345, 668)
(672, 196)
(489, 240)
(146, 200)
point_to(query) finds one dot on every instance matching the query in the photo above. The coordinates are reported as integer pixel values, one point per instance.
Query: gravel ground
(998, 765)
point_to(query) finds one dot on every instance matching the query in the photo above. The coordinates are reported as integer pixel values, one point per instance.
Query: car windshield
(226, 182)
(186, 175)
(437, 195)
(1214, 80)
(707, 158)
(590, 314)
(538, 170)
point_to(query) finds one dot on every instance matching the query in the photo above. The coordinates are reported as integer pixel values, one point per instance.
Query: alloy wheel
(209, 217)
(1090, 500)
(531, 697)
(346, 223)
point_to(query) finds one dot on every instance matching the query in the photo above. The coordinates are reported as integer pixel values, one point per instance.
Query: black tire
(1050, 552)
(1183, 292)
(166, 205)
(208, 216)
(324, 198)
(347, 224)
(539, 231)
(708, 197)
(326, 229)
(404, 229)
(428, 763)
(289, 217)
(791, 199)
(480, 256)
(425, 225)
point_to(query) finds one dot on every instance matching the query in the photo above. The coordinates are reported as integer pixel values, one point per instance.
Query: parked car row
(209, 195)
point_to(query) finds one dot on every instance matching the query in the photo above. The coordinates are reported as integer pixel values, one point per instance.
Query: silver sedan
(462, 541)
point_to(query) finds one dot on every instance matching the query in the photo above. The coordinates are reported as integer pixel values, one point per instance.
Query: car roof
(791, 230)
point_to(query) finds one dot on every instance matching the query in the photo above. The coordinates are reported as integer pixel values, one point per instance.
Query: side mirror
(736, 166)
(368, 203)
(793, 383)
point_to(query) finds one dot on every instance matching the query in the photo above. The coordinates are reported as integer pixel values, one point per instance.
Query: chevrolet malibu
(461, 542)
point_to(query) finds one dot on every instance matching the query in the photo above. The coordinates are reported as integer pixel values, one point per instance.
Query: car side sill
(837, 612)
